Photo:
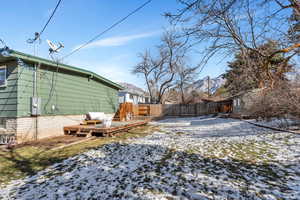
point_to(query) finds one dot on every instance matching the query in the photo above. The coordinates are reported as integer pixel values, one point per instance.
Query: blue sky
(77, 21)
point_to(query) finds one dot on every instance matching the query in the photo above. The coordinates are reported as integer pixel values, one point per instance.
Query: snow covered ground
(189, 158)
(285, 124)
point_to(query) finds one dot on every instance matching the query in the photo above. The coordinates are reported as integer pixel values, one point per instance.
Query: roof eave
(27, 57)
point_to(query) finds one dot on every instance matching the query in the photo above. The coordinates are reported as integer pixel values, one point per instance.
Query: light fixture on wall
(90, 77)
(20, 62)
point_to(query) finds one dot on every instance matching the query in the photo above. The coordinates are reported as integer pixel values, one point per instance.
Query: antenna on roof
(2, 42)
(54, 48)
(5, 50)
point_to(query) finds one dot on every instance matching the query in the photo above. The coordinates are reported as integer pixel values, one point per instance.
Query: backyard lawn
(186, 158)
(28, 159)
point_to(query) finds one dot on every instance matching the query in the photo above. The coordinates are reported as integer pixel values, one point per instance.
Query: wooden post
(208, 86)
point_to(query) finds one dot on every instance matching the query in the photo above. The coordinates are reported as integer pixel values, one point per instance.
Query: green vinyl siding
(52, 64)
(69, 93)
(8, 93)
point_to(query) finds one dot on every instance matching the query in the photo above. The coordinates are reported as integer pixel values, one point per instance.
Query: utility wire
(58, 3)
(38, 35)
(108, 29)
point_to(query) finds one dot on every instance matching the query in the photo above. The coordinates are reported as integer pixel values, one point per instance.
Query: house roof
(132, 89)
(19, 55)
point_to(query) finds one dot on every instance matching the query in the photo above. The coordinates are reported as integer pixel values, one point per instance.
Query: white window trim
(5, 83)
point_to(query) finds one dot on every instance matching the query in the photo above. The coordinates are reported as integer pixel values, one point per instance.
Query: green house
(39, 96)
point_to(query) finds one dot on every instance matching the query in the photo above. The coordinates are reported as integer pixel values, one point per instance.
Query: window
(237, 102)
(121, 99)
(2, 76)
(2, 122)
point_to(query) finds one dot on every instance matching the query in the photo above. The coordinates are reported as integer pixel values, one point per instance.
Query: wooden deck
(90, 130)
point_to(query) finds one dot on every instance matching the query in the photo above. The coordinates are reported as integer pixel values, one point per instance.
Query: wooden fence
(157, 110)
(128, 111)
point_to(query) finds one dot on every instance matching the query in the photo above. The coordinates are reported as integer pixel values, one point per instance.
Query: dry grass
(50, 143)
(28, 159)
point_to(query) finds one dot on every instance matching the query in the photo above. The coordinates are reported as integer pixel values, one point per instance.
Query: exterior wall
(11, 125)
(121, 96)
(64, 93)
(141, 99)
(8, 93)
(31, 128)
(237, 105)
(242, 104)
(65, 99)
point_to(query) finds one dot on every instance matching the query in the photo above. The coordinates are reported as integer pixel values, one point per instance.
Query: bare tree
(281, 102)
(186, 76)
(160, 71)
(231, 26)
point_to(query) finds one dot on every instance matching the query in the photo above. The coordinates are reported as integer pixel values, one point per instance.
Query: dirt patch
(49, 143)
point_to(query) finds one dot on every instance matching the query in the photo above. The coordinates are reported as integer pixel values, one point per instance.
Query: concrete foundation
(33, 128)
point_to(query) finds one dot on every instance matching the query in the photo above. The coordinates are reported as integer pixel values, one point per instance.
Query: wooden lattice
(7, 138)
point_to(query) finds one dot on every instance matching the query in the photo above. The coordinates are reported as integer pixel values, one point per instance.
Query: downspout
(34, 81)
(35, 96)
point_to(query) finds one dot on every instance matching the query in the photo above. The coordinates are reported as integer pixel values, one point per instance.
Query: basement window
(2, 122)
(2, 76)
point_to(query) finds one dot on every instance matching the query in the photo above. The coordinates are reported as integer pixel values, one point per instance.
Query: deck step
(82, 130)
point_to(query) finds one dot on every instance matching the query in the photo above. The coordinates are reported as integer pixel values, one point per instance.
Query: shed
(38, 97)
(243, 101)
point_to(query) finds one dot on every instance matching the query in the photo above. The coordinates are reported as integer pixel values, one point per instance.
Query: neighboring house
(38, 103)
(132, 94)
(243, 102)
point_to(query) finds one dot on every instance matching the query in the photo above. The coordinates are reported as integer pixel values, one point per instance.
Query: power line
(108, 29)
(58, 3)
(38, 35)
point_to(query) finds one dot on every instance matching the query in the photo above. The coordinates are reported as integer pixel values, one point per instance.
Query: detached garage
(38, 97)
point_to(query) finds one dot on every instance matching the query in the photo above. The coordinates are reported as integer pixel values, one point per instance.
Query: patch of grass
(180, 133)
(247, 151)
(29, 159)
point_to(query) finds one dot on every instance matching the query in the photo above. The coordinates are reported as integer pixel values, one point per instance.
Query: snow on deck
(189, 158)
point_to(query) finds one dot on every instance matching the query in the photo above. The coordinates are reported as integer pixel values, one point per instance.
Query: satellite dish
(5, 53)
(54, 48)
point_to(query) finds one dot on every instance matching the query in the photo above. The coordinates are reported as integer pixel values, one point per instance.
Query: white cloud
(118, 73)
(118, 40)
(117, 69)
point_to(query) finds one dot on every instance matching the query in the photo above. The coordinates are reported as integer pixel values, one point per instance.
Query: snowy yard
(189, 158)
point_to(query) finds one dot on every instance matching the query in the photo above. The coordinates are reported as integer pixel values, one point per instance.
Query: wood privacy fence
(156, 110)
